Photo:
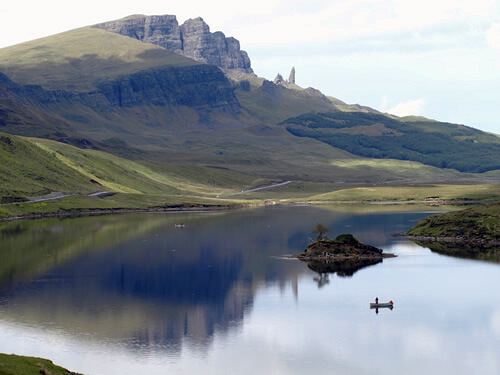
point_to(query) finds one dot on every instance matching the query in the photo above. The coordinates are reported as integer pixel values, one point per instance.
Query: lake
(132, 294)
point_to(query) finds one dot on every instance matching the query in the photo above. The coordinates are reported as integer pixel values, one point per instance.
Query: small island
(344, 255)
(344, 247)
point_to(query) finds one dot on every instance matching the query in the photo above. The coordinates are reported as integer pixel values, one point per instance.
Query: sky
(439, 58)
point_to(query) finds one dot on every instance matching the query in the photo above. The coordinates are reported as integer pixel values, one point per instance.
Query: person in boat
(376, 299)
(392, 303)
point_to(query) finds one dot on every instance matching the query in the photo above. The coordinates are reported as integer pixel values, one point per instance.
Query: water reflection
(343, 268)
(135, 281)
(488, 252)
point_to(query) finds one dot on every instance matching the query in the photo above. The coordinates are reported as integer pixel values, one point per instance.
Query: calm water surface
(132, 294)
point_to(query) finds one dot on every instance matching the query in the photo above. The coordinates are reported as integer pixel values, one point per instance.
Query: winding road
(256, 189)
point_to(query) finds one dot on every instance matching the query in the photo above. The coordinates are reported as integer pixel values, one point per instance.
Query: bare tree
(322, 232)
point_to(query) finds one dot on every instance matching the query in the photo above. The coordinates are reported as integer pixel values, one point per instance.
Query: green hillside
(271, 103)
(27, 170)
(20, 365)
(374, 135)
(35, 167)
(75, 60)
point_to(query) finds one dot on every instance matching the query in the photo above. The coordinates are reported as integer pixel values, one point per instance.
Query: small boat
(380, 305)
(179, 225)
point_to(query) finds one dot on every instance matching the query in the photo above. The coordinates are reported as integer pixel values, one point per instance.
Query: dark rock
(203, 87)
(244, 85)
(192, 39)
(279, 80)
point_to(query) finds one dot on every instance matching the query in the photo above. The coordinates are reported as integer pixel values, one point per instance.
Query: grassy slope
(374, 135)
(280, 104)
(19, 365)
(27, 170)
(32, 166)
(397, 193)
(75, 59)
(477, 222)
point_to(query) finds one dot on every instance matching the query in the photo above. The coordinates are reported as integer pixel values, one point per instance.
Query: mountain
(180, 97)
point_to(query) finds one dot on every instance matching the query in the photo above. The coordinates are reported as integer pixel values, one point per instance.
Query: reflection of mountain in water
(490, 253)
(138, 281)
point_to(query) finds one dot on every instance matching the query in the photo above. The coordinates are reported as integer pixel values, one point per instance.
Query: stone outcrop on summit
(279, 80)
(291, 78)
(192, 39)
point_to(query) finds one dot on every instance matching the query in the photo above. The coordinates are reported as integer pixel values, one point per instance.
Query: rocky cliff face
(192, 39)
(202, 87)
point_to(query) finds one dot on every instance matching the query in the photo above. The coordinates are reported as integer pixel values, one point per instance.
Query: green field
(413, 193)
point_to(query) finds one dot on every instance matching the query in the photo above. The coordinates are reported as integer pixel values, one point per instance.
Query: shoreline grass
(11, 364)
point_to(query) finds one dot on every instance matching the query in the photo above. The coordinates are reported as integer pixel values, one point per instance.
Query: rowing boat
(379, 305)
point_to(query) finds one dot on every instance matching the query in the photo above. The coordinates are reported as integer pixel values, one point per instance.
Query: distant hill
(372, 135)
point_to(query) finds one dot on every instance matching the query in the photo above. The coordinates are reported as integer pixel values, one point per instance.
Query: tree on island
(322, 232)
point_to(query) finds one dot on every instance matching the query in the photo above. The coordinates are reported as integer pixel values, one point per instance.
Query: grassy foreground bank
(20, 365)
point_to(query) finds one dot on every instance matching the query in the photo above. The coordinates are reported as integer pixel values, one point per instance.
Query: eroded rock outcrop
(192, 39)
(279, 80)
(291, 78)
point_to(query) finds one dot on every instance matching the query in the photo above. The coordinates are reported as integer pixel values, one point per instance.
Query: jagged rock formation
(290, 83)
(291, 78)
(192, 39)
(279, 80)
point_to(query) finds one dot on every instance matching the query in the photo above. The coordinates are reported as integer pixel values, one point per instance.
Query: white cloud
(410, 107)
(345, 20)
(493, 36)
